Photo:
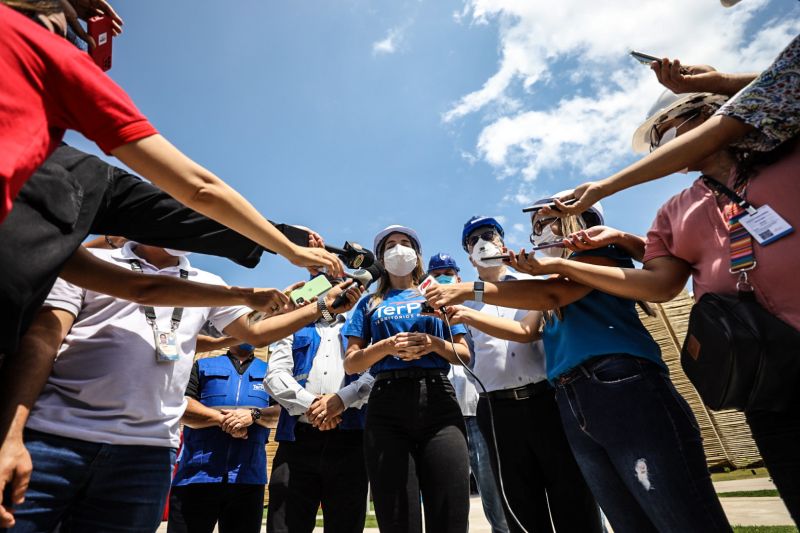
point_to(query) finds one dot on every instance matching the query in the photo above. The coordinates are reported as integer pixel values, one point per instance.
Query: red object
(48, 86)
(165, 514)
(101, 30)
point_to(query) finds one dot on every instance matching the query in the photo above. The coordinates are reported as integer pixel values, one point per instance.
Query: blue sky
(349, 116)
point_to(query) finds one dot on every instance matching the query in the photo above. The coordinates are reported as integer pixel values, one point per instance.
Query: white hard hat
(668, 106)
(395, 228)
(592, 216)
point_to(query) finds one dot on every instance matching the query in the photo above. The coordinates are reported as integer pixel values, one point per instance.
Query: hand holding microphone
(364, 277)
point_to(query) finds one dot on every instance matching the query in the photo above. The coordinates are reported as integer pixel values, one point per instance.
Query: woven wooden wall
(726, 436)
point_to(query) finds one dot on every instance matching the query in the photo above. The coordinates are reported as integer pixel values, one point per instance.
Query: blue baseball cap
(478, 222)
(441, 261)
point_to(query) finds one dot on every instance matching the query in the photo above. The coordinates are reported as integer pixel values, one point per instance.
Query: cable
(491, 423)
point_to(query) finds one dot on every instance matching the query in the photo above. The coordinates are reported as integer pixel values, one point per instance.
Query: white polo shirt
(501, 364)
(106, 385)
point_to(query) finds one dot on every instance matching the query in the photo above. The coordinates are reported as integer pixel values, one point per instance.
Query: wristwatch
(255, 413)
(477, 291)
(323, 309)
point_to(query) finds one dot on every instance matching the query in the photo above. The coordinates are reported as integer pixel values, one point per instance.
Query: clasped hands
(236, 421)
(325, 412)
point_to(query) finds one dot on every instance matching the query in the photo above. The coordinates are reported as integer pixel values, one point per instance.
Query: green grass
(764, 529)
(745, 473)
(748, 494)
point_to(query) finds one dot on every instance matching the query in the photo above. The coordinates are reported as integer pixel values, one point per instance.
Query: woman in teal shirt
(634, 437)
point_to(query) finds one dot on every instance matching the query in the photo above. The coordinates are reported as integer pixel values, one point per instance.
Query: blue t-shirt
(597, 324)
(398, 312)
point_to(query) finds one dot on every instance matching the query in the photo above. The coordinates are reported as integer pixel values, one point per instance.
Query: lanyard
(149, 312)
(741, 242)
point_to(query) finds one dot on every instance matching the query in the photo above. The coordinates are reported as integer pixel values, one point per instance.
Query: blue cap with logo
(478, 222)
(442, 261)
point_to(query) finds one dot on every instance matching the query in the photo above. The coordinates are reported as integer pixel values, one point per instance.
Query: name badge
(765, 225)
(166, 346)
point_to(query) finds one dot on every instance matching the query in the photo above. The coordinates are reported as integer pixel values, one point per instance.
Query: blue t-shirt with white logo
(400, 311)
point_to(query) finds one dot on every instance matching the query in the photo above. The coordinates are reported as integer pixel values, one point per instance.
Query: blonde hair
(569, 224)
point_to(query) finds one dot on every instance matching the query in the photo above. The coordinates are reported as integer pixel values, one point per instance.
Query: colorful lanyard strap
(742, 255)
(149, 312)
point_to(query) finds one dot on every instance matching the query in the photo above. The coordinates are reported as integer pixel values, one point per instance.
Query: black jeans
(197, 508)
(538, 466)
(319, 467)
(778, 438)
(639, 447)
(74, 194)
(415, 442)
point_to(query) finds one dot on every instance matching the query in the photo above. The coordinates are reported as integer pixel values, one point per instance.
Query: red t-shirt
(48, 86)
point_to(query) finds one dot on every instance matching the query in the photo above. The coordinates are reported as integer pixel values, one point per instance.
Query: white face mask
(400, 260)
(176, 253)
(548, 236)
(486, 249)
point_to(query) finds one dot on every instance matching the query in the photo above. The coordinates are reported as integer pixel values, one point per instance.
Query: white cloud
(390, 43)
(574, 53)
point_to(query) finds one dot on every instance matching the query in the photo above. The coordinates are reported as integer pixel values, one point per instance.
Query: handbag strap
(743, 257)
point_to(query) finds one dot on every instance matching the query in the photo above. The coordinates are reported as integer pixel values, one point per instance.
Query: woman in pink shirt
(690, 238)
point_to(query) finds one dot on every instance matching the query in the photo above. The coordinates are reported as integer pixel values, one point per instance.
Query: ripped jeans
(639, 447)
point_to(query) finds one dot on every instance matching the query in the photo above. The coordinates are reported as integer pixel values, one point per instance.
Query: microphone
(353, 255)
(364, 277)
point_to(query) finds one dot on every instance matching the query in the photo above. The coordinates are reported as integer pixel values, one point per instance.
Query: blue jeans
(639, 447)
(93, 487)
(481, 466)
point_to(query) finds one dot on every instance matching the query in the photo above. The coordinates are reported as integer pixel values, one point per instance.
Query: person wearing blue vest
(320, 458)
(221, 477)
(414, 438)
(633, 436)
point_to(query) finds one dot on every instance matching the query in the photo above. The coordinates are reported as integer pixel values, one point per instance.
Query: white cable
(491, 423)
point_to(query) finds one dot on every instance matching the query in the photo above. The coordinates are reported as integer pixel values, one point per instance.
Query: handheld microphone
(364, 277)
(353, 255)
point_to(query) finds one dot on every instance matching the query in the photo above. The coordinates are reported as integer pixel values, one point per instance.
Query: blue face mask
(445, 280)
(247, 347)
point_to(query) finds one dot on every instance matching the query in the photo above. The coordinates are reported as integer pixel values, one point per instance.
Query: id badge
(166, 346)
(765, 225)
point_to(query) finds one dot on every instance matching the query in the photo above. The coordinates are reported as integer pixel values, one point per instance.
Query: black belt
(519, 393)
(411, 373)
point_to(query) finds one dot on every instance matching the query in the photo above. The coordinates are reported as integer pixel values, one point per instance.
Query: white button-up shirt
(502, 364)
(326, 376)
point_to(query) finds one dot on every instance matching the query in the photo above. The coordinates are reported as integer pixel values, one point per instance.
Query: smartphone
(644, 58)
(311, 290)
(101, 30)
(555, 244)
(503, 257)
(551, 205)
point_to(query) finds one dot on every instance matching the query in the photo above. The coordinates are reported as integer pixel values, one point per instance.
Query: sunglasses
(657, 139)
(539, 225)
(486, 236)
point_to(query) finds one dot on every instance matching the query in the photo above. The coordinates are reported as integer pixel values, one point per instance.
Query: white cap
(668, 106)
(594, 216)
(395, 228)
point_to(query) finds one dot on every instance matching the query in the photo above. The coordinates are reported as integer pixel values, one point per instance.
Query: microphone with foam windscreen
(364, 277)
(353, 255)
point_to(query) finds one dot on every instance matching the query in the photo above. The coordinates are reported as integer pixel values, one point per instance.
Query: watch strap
(255, 413)
(477, 291)
(323, 309)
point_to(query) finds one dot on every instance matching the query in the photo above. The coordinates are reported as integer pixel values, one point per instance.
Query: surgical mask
(546, 237)
(176, 253)
(486, 249)
(247, 347)
(400, 260)
(445, 280)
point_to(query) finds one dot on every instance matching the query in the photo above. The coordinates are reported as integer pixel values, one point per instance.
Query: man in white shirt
(320, 459)
(104, 431)
(539, 475)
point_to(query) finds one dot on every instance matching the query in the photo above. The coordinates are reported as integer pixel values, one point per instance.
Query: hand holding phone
(101, 30)
(311, 290)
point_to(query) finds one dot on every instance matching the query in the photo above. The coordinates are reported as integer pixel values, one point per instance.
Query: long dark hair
(34, 7)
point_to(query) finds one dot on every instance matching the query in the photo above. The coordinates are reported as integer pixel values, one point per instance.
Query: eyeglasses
(657, 139)
(539, 225)
(486, 236)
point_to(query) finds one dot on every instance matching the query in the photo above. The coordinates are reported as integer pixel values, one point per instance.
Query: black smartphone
(644, 58)
(503, 257)
(551, 205)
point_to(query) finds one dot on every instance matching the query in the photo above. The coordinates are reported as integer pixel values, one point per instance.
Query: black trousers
(197, 508)
(415, 442)
(319, 467)
(74, 194)
(537, 466)
(777, 436)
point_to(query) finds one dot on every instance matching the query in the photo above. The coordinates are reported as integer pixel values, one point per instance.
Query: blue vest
(304, 349)
(210, 455)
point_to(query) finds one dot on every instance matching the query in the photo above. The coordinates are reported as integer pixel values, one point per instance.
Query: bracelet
(323, 309)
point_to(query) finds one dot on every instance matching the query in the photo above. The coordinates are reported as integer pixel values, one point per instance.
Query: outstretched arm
(525, 330)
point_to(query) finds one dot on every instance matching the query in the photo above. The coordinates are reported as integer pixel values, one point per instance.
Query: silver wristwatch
(477, 291)
(323, 309)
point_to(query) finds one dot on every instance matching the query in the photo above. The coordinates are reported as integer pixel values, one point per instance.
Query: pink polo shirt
(691, 226)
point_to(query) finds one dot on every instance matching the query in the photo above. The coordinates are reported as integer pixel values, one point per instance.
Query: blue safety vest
(210, 455)
(304, 349)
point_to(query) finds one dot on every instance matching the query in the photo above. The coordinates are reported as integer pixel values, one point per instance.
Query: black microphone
(364, 277)
(353, 255)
